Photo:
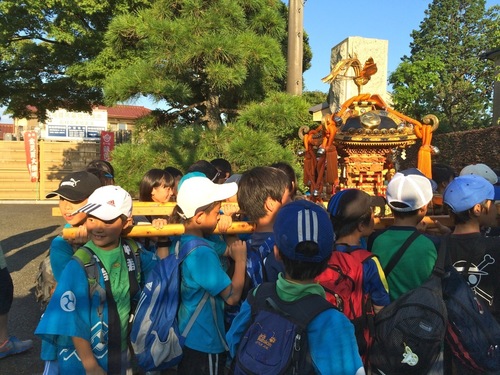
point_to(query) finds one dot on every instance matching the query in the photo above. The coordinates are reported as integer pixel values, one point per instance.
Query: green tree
(445, 74)
(266, 132)
(205, 59)
(42, 41)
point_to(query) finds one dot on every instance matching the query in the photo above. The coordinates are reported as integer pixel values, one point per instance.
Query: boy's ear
(477, 209)
(270, 204)
(361, 227)
(128, 223)
(276, 253)
(423, 209)
(198, 217)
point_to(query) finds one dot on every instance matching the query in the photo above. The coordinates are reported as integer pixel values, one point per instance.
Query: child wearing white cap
(408, 197)
(198, 204)
(73, 192)
(93, 338)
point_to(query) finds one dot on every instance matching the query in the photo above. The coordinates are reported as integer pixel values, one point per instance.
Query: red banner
(31, 148)
(107, 145)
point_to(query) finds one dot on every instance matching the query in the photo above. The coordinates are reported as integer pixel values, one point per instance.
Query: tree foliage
(266, 132)
(445, 74)
(205, 59)
(201, 58)
(42, 41)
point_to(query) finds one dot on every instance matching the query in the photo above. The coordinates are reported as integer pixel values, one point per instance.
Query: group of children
(84, 330)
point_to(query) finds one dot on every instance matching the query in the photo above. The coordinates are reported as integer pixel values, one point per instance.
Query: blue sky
(329, 22)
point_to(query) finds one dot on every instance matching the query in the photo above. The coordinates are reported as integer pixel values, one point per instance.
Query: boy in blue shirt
(304, 242)
(93, 338)
(198, 205)
(261, 193)
(73, 192)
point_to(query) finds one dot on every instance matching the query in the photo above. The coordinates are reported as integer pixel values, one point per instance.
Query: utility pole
(295, 46)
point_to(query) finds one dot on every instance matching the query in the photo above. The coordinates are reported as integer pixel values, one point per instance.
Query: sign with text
(31, 149)
(75, 126)
(107, 145)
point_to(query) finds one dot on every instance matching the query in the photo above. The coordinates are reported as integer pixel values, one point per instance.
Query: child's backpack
(473, 333)
(155, 335)
(45, 283)
(91, 264)
(276, 341)
(409, 332)
(343, 284)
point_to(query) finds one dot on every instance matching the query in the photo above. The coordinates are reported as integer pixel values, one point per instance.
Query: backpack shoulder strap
(359, 253)
(188, 247)
(91, 264)
(397, 256)
(133, 262)
(85, 257)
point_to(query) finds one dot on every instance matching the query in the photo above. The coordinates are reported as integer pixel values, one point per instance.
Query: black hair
(222, 165)
(154, 178)
(103, 170)
(343, 227)
(206, 168)
(462, 217)
(290, 172)
(173, 171)
(300, 269)
(442, 173)
(258, 184)
(402, 214)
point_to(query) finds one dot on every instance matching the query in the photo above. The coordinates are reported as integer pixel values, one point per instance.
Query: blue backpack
(276, 340)
(155, 336)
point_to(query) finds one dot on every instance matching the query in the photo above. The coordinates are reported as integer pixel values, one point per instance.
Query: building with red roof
(65, 125)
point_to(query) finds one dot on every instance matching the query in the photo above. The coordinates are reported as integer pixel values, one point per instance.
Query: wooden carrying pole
(238, 227)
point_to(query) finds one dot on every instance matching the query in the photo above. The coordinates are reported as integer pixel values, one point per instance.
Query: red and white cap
(108, 202)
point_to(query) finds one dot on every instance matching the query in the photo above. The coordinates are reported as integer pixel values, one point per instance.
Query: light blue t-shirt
(72, 312)
(202, 271)
(61, 252)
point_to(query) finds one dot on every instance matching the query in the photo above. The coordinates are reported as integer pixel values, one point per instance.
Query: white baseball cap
(410, 192)
(108, 202)
(198, 191)
(480, 170)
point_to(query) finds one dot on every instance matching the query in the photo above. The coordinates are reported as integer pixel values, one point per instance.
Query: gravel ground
(26, 231)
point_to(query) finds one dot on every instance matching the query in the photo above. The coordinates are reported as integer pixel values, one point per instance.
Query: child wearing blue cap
(304, 242)
(470, 200)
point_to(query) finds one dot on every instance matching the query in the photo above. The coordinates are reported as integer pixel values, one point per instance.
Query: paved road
(26, 231)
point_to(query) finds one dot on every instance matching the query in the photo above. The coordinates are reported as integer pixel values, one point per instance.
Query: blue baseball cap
(301, 221)
(464, 192)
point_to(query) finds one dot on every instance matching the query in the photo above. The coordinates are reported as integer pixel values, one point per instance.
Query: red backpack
(343, 284)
